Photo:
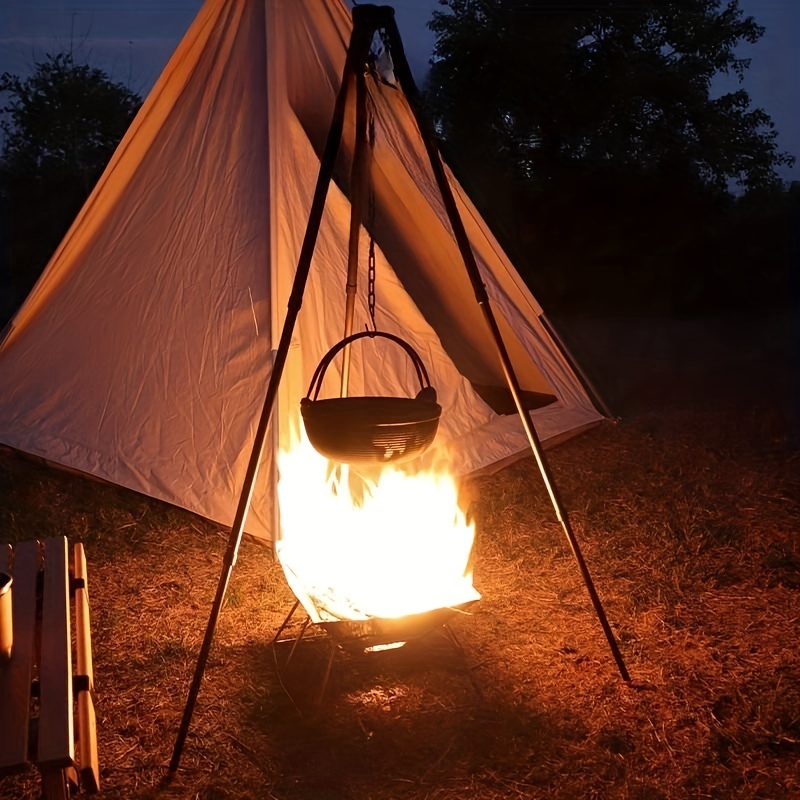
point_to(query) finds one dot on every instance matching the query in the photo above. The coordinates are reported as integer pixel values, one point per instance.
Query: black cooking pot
(375, 430)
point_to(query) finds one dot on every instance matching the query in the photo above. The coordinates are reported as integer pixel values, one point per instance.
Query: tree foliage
(65, 119)
(591, 138)
(613, 82)
(60, 126)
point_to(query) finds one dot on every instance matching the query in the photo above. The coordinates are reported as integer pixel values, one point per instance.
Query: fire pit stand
(293, 641)
(359, 636)
(369, 634)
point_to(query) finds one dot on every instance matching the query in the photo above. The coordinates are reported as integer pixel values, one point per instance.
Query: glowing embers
(373, 559)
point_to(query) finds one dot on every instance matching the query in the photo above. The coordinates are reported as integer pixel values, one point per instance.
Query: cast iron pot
(374, 430)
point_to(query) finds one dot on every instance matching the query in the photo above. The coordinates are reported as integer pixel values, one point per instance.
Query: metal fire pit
(360, 635)
(328, 619)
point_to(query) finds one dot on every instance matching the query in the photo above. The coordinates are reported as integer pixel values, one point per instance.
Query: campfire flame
(356, 546)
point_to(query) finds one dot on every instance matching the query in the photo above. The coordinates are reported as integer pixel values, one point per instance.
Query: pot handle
(319, 373)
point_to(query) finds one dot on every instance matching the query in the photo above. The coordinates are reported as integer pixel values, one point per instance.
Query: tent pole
(403, 73)
(591, 389)
(356, 54)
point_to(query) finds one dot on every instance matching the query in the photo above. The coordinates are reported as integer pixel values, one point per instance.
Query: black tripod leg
(403, 73)
(356, 54)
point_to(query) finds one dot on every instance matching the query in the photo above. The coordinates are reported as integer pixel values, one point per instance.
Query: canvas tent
(142, 354)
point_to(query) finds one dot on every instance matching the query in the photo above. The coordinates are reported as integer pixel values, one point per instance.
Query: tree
(588, 132)
(61, 125)
(604, 83)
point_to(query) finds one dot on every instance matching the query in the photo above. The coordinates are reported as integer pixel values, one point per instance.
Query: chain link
(371, 259)
(371, 279)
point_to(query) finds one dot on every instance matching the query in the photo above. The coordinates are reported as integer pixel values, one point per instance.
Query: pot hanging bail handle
(319, 372)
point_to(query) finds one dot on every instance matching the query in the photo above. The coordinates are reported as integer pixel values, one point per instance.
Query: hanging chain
(371, 213)
(371, 290)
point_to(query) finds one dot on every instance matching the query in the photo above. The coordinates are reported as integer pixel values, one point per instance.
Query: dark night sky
(132, 40)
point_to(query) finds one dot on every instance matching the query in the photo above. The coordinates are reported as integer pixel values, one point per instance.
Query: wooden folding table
(41, 696)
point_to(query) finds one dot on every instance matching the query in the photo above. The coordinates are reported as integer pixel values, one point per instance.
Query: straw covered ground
(687, 510)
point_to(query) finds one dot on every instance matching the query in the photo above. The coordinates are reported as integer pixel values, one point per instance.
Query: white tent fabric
(143, 353)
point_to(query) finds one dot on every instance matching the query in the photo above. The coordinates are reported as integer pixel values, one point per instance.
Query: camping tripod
(367, 20)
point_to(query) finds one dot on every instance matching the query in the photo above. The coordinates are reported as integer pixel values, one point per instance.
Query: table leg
(54, 784)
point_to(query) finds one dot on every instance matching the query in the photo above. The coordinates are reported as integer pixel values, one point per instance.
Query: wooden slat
(87, 724)
(15, 675)
(56, 744)
(82, 631)
(87, 744)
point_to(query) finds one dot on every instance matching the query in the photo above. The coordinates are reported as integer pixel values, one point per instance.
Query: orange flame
(355, 546)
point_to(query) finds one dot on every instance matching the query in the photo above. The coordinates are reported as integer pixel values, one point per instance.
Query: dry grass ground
(687, 510)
